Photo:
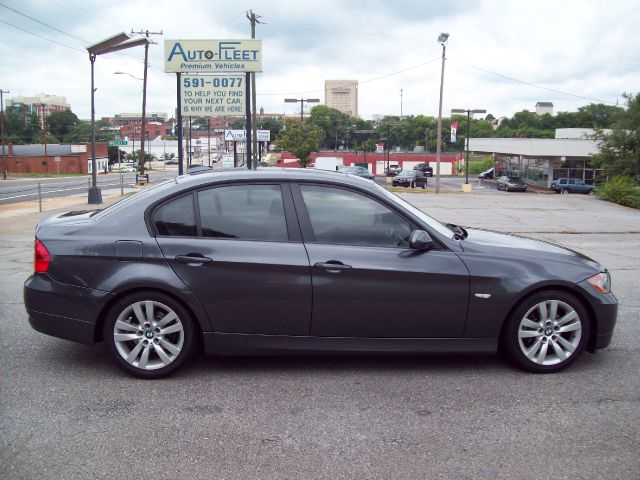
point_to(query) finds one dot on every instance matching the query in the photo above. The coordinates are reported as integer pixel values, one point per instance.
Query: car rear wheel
(565, 191)
(149, 335)
(547, 332)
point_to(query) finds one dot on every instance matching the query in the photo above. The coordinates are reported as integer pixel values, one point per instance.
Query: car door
(367, 282)
(238, 248)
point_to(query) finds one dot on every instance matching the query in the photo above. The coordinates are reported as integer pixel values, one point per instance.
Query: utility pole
(4, 152)
(442, 40)
(146, 33)
(253, 19)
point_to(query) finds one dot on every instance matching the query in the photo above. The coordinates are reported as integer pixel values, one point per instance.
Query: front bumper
(605, 315)
(62, 310)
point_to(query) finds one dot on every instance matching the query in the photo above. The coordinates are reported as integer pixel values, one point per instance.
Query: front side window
(244, 212)
(345, 217)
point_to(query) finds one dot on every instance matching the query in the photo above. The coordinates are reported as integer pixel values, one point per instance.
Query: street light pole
(467, 186)
(112, 44)
(302, 102)
(442, 39)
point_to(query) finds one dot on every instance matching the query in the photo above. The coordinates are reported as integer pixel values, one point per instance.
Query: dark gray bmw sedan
(303, 261)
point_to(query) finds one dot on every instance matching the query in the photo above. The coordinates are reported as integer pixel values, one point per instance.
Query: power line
(40, 36)
(363, 81)
(531, 84)
(42, 23)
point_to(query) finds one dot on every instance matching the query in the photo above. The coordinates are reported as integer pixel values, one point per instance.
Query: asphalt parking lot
(68, 412)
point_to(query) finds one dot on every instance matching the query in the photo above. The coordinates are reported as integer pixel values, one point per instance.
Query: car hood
(505, 245)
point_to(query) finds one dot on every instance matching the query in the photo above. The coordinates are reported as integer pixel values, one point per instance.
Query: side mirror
(420, 240)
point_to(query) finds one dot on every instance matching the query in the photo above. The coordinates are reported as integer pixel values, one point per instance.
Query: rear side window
(245, 212)
(176, 218)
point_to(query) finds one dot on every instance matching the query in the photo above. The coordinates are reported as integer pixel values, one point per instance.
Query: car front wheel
(149, 335)
(547, 332)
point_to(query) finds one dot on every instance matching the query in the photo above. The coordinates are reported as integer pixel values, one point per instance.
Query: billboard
(221, 56)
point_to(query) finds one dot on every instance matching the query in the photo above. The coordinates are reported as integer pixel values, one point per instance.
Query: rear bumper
(62, 310)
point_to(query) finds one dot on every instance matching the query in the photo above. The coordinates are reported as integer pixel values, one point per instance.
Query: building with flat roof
(42, 105)
(539, 161)
(544, 107)
(342, 95)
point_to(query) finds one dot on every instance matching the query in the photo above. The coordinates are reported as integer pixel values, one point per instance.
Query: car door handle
(332, 266)
(193, 259)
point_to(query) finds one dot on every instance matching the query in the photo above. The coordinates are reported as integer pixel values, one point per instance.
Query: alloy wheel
(148, 335)
(549, 333)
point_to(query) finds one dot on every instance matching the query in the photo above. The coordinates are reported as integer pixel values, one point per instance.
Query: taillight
(41, 258)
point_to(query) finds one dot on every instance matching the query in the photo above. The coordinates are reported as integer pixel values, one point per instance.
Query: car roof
(270, 174)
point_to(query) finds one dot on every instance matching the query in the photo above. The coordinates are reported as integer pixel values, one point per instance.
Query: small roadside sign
(118, 143)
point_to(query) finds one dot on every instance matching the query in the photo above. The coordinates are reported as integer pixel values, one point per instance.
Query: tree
(620, 149)
(21, 125)
(332, 122)
(60, 123)
(300, 139)
(135, 156)
(81, 132)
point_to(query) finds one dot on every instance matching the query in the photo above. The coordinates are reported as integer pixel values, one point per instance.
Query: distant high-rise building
(42, 105)
(342, 95)
(544, 107)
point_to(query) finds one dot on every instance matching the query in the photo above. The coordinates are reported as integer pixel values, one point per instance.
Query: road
(68, 412)
(23, 190)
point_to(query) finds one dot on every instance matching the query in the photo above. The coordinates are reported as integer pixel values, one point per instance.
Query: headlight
(601, 282)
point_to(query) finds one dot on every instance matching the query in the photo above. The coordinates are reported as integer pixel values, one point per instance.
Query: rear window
(176, 218)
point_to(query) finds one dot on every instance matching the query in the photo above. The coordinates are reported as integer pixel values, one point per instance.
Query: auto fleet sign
(241, 135)
(213, 95)
(213, 55)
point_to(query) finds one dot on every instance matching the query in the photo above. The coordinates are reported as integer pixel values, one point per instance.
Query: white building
(539, 161)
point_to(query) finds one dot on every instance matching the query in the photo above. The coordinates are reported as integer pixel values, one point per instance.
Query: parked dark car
(424, 168)
(487, 174)
(171, 161)
(510, 183)
(393, 170)
(287, 260)
(571, 185)
(410, 178)
(359, 171)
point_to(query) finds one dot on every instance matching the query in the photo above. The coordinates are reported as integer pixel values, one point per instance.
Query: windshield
(432, 222)
(514, 179)
(407, 173)
(349, 169)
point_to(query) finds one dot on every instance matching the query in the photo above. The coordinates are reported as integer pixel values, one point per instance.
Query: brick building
(57, 158)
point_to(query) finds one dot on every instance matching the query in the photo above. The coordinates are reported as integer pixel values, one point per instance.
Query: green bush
(479, 166)
(622, 190)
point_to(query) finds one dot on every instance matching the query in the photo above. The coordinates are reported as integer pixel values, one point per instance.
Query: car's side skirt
(247, 344)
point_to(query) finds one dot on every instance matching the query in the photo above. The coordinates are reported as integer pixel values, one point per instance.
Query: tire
(497, 186)
(547, 332)
(412, 184)
(149, 334)
(565, 191)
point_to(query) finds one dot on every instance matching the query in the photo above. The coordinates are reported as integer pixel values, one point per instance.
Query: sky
(502, 55)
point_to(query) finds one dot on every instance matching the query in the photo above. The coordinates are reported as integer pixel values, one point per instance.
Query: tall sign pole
(249, 161)
(179, 125)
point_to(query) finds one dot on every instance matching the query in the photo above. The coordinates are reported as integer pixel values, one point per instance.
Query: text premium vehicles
(284, 260)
